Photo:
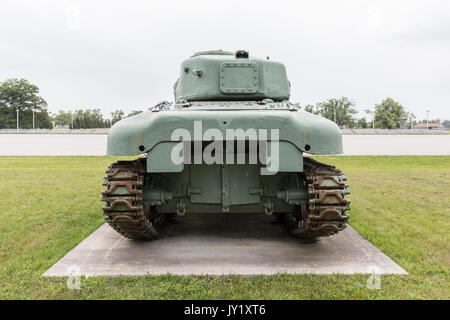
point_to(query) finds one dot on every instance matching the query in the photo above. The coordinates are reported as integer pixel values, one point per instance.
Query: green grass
(50, 204)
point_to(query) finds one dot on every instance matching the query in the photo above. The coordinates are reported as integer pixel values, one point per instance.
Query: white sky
(126, 54)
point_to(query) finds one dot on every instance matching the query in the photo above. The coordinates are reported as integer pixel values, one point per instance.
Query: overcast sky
(126, 54)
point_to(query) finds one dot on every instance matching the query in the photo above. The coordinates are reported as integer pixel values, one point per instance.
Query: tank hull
(141, 133)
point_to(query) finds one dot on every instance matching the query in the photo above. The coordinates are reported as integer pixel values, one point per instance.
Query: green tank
(231, 142)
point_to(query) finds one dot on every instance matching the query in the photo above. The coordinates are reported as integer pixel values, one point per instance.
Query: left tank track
(325, 212)
(125, 210)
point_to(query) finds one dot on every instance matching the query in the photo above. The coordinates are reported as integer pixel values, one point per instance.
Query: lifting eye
(307, 147)
(141, 148)
(197, 72)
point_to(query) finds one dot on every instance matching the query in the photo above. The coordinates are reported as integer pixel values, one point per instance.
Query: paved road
(224, 244)
(396, 144)
(95, 145)
(52, 144)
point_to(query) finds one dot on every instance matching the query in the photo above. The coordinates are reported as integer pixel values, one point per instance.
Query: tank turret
(222, 75)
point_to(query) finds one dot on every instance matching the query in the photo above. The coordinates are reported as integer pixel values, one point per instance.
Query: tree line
(389, 114)
(20, 97)
(88, 118)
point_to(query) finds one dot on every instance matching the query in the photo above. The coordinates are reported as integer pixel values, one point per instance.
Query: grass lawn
(50, 204)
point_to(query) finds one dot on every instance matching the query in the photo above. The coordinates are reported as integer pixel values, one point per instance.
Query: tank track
(125, 211)
(325, 214)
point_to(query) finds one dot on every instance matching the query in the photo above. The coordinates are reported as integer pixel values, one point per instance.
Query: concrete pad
(220, 244)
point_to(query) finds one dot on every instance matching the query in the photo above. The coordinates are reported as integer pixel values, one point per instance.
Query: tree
(82, 119)
(446, 123)
(341, 110)
(362, 123)
(370, 112)
(411, 118)
(19, 94)
(117, 116)
(89, 118)
(62, 118)
(390, 114)
(310, 108)
(133, 113)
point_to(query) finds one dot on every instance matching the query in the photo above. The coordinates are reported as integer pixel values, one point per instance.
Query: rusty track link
(324, 215)
(125, 211)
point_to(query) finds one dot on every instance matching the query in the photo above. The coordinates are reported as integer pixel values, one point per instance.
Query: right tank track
(325, 212)
(125, 211)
